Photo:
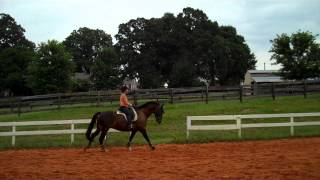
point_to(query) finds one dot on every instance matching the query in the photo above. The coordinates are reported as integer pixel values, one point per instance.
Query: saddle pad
(134, 114)
(123, 114)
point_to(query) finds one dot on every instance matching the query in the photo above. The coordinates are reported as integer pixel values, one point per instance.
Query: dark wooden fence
(171, 95)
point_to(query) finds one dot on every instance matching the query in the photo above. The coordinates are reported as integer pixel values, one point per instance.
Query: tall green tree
(129, 46)
(299, 55)
(232, 57)
(12, 34)
(13, 74)
(179, 50)
(15, 54)
(85, 44)
(51, 71)
(105, 72)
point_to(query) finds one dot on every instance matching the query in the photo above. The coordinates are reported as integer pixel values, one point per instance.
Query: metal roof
(267, 79)
(262, 71)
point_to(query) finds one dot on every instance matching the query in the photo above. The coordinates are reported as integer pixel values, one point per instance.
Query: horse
(109, 119)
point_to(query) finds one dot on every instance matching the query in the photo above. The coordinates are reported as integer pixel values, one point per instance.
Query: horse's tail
(91, 124)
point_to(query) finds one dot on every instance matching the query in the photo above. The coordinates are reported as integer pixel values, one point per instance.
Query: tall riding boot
(130, 118)
(130, 123)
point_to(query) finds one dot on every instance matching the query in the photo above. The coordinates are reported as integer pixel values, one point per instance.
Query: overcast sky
(257, 20)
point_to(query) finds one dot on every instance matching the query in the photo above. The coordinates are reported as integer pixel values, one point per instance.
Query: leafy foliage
(15, 54)
(13, 74)
(85, 44)
(12, 34)
(299, 55)
(52, 70)
(105, 70)
(179, 50)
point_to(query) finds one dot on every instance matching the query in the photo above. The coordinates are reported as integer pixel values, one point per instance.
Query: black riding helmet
(124, 88)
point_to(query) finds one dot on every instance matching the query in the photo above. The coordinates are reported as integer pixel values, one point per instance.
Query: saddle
(132, 110)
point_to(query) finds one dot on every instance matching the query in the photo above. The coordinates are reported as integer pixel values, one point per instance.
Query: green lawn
(173, 128)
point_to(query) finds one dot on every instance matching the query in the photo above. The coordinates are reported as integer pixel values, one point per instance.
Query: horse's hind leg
(92, 136)
(101, 140)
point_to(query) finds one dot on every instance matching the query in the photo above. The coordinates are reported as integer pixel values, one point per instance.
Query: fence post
(13, 136)
(304, 89)
(11, 105)
(241, 93)
(98, 103)
(202, 94)
(19, 106)
(239, 126)
(171, 95)
(135, 99)
(255, 88)
(59, 100)
(188, 127)
(292, 126)
(273, 91)
(207, 94)
(72, 133)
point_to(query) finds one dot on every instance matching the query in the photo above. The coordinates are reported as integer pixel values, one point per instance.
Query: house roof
(267, 79)
(263, 71)
(261, 76)
(82, 76)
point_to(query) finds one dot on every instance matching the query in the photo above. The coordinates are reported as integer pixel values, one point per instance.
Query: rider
(125, 105)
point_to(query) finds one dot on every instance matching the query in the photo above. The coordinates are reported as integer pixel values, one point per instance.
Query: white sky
(257, 20)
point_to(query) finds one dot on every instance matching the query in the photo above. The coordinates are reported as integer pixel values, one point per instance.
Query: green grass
(173, 127)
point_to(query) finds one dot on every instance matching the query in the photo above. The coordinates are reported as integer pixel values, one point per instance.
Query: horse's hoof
(85, 148)
(130, 149)
(152, 148)
(103, 149)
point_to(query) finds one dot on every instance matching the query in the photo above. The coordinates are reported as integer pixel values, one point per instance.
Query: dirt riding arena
(276, 159)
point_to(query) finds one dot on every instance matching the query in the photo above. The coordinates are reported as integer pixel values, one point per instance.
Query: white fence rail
(238, 125)
(70, 131)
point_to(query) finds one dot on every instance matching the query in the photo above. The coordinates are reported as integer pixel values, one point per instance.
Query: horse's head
(159, 112)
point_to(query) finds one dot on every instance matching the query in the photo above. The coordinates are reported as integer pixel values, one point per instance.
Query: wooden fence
(171, 95)
(239, 125)
(70, 131)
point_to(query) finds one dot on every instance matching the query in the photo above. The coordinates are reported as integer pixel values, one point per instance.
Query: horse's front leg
(145, 135)
(133, 132)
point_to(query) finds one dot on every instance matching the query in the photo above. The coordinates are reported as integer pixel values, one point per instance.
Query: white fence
(238, 125)
(70, 131)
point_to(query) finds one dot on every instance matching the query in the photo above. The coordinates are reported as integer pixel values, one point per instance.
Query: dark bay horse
(109, 119)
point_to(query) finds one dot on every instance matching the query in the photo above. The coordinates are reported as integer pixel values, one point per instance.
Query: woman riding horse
(125, 106)
(107, 120)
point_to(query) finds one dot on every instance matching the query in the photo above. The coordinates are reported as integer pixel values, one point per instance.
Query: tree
(84, 45)
(179, 50)
(129, 46)
(12, 34)
(232, 57)
(15, 54)
(299, 55)
(51, 71)
(13, 74)
(105, 70)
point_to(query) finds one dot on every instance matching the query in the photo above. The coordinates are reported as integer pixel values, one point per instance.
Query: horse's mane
(147, 104)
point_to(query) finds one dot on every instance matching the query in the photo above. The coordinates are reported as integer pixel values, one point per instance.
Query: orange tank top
(124, 100)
